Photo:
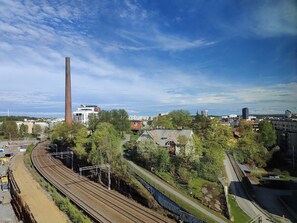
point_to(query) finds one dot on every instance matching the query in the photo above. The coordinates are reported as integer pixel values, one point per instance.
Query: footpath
(41, 205)
(184, 198)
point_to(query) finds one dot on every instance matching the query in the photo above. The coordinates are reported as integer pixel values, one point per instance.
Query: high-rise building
(245, 113)
(288, 114)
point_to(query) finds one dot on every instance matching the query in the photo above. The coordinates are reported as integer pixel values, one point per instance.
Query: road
(237, 190)
(167, 188)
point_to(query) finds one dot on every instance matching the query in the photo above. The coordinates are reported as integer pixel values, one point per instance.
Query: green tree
(184, 175)
(105, 146)
(64, 134)
(163, 121)
(200, 124)
(10, 129)
(161, 159)
(36, 129)
(216, 132)
(211, 163)
(119, 118)
(250, 151)
(181, 143)
(93, 122)
(267, 133)
(80, 141)
(145, 148)
(245, 129)
(180, 118)
(123, 123)
(104, 116)
(23, 130)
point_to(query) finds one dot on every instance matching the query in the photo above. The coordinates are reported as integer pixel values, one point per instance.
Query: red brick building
(136, 125)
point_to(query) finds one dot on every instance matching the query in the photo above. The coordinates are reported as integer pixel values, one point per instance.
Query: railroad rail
(101, 204)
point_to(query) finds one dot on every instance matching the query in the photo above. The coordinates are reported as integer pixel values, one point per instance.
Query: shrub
(277, 171)
(286, 173)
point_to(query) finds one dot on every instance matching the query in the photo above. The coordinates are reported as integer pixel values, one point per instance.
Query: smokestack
(68, 107)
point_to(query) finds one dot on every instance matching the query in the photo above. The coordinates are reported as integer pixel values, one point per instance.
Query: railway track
(101, 204)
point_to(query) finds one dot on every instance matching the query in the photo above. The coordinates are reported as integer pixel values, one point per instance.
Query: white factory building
(84, 112)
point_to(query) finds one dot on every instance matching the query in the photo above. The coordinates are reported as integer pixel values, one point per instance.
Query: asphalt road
(237, 190)
(185, 199)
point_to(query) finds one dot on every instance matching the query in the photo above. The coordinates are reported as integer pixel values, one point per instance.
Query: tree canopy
(163, 121)
(117, 117)
(105, 145)
(10, 129)
(181, 118)
(250, 148)
(267, 133)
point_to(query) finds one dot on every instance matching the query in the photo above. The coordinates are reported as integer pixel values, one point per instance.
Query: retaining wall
(169, 204)
(21, 209)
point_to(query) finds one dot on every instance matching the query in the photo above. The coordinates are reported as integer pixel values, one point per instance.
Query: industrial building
(84, 112)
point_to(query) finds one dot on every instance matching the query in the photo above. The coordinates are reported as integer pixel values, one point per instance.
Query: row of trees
(102, 146)
(118, 118)
(175, 119)
(206, 158)
(10, 130)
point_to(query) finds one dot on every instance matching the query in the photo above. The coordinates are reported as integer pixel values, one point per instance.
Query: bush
(184, 175)
(66, 206)
(277, 171)
(286, 173)
(30, 148)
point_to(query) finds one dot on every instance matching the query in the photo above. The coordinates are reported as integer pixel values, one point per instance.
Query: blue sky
(149, 56)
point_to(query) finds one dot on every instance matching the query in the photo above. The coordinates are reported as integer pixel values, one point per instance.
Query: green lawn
(238, 215)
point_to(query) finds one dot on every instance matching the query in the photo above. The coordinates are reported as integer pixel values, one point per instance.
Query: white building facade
(84, 112)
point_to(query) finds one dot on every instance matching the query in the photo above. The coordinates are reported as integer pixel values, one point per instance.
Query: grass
(2, 138)
(238, 215)
(64, 204)
(166, 176)
(196, 185)
(189, 208)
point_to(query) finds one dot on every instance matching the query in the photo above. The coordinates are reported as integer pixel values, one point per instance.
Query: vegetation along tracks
(101, 204)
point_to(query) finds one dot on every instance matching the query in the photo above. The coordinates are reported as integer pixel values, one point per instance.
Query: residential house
(169, 139)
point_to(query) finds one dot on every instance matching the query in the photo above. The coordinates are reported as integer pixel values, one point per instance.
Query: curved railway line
(101, 204)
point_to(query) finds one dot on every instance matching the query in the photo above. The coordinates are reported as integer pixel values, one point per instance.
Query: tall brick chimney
(68, 105)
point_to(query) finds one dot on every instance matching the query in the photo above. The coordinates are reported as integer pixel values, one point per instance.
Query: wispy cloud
(274, 18)
(35, 38)
(153, 39)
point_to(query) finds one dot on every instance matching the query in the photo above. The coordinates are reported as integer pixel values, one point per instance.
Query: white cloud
(274, 18)
(32, 51)
(153, 39)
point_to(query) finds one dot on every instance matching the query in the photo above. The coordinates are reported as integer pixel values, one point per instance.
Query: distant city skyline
(149, 57)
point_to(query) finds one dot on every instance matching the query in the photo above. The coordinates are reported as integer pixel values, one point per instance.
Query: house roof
(162, 136)
(244, 168)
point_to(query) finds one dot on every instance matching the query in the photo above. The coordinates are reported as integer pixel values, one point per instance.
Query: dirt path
(42, 207)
